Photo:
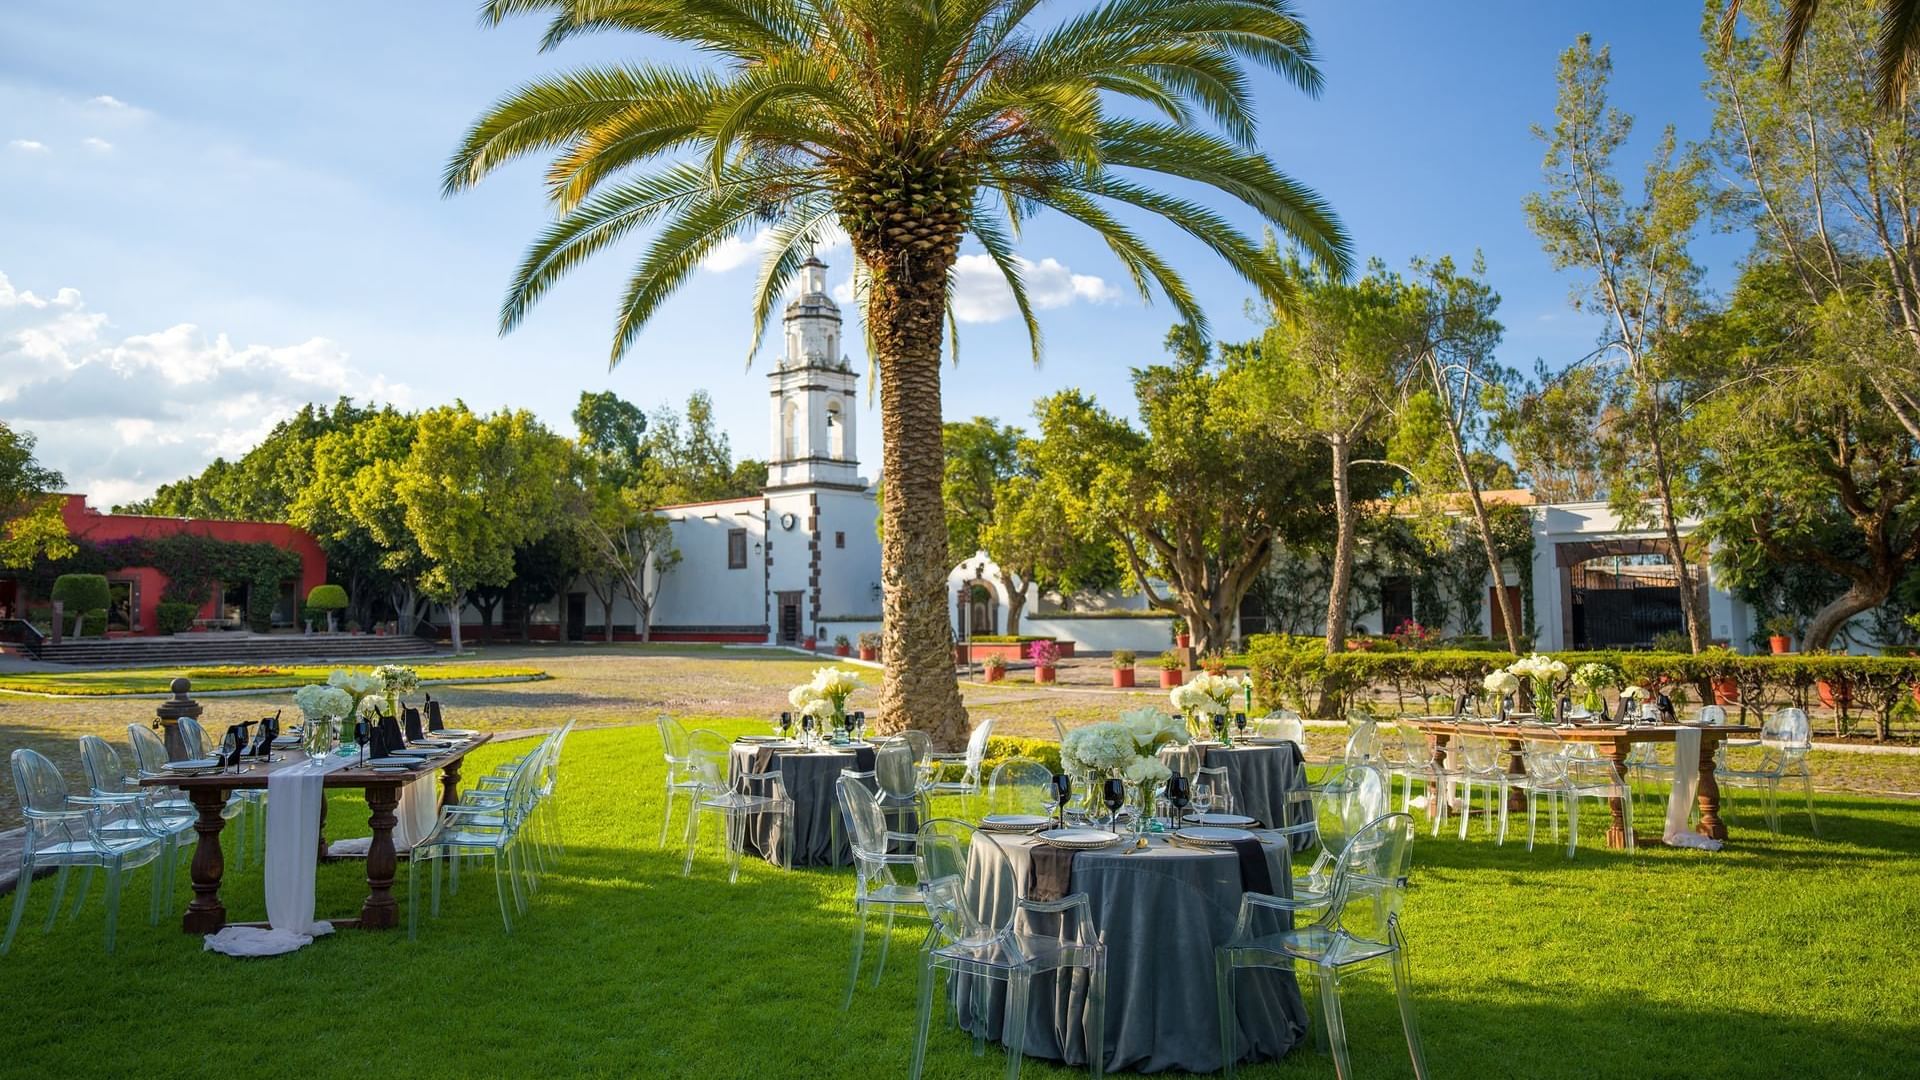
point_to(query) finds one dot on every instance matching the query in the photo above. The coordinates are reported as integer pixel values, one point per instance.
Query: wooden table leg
(1709, 794)
(205, 913)
(450, 782)
(379, 911)
(1442, 760)
(1617, 829)
(1517, 767)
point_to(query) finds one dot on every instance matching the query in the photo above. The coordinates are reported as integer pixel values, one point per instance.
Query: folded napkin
(1254, 875)
(863, 759)
(1049, 872)
(410, 720)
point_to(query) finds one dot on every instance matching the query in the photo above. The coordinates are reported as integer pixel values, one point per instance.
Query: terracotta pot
(843, 650)
(867, 654)
(995, 674)
(809, 644)
(1780, 644)
(1835, 697)
(1726, 692)
(1916, 693)
(1043, 673)
(1170, 679)
(1184, 641)
(1123, 678)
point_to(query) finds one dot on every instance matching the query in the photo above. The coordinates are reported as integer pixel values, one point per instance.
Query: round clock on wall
(787, 520)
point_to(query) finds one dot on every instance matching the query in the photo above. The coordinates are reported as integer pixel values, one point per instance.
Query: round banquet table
(1161, 913)
(809, 777)
(1266, 778)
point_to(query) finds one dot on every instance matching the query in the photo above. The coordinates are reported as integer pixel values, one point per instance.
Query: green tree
(352, 506)
(81, 595)
(1637, 276)
(910, 126)
(1197, 497)
(31, 525)
(688, 458)
(1034, 542)
(1550, 424)
(981, 455)
(611, 431)
(474, 489)
(1331, 367)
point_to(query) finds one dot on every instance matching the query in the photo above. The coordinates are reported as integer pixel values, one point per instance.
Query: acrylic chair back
(193, 738)
(1349, 797)
(919, 742)
(42, 790)
(1282, 724)
(896, 772)
(149, 753)
(1375, 865)
(1217, 788)
(1712, 716)
(967, 908)
(1019, 785)
(673, 738)
(105, 776)
(1363, 740)
(866, 826)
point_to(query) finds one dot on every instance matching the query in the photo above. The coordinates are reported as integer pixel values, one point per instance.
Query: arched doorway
(983, 612)
(1619, 593)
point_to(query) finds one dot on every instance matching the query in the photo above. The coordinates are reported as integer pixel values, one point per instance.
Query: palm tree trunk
(906, 308)
(1339, 592)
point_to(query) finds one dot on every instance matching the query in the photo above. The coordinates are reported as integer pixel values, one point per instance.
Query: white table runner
(295, 794)
(1686, 777)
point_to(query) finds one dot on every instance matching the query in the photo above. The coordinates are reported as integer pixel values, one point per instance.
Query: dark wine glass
(1240, 723)
(1113, 792)
(786, 723)
(1062, 791)
(1178, 796)
(362, 735)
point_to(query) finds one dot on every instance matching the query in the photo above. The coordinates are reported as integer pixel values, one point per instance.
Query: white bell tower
(813, 397)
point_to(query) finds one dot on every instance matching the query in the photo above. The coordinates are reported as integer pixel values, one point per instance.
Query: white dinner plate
(195, 765)
(454, 733)
(762, 738)
(412, 753)
(385, 765)
(1230, 821)
(1213, 836)
(1078, 838)
(1013, 822)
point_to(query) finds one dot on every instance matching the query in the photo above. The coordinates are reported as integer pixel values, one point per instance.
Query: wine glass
(784, 724)
(1113, 792)
(1179, 794)
(1202, 794)
(806, 730)
(362, 735)
(1062, 791)
(1240, 723)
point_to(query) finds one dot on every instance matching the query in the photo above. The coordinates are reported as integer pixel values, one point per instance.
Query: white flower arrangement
(1538, 667)
(356, 684)
(1501, 682)
(820, 709)
(1115, 746)
(1633, 693)
(396, 679)
(831, 685)
(1597, 676)
(1146, 770)
(323, 702)
(1212, 695)
(368, 708)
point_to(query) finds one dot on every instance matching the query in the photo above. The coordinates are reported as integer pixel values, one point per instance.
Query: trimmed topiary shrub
(327, 599)
(174, 616)
(86, 597)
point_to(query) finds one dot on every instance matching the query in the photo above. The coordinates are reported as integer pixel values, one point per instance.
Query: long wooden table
(1617, 740)
(205, 914)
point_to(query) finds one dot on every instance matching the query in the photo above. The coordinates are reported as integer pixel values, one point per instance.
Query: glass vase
(1143, 807)
(317, 738)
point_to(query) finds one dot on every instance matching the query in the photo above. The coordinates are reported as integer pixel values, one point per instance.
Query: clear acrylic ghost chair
(1361, 925)
(1213, 791)
(968, 786)
(1479, 758)
(1785, 740)
(756, 795)
(193, 738)
(1418, 760)
(1363, 741)
(1282, 724)
(1596, 778)
(1346, 799)
(150, 760)
(109, 785)
(884, 872)
(983, 932)
(680, 779)
(921, 744)
(66, 831)
(1020, 785)
(493, 827)
(896, 778)
(1544, 760)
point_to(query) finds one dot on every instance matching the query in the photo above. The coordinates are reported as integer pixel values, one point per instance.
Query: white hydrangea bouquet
(357, 684)
(324, 707)
(1207, 696)
(1500, 684)
(1127, 749)
(1594, 679)
(396, 681)
(1544, 674)
(824, 697)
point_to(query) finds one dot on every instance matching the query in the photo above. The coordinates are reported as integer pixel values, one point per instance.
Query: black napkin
(1460, 706)
(410, 718)
(863, 759)
(1667, 715)
(1560, 709)
(434, 722)
(1049, 872)
(388, 732)
(233, 744)
(1254, 876)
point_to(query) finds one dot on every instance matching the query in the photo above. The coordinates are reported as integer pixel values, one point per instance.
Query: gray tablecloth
(1161, 913)
(809, 777)
(1266, 780)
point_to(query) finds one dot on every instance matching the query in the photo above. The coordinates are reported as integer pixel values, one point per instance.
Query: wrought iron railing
(25, 634)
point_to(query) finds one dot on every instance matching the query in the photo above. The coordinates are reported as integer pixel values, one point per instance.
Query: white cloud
(28, 146)
(98, 145)
(843, 292)
(736, 251)
(121, 415)
(981, 295)
(107, 101)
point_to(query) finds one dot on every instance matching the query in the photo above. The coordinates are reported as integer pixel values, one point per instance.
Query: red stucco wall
(89, 524)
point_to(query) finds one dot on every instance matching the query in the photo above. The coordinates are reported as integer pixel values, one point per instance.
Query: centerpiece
(1208, 695)
(1543, 675)
(1499, 685)
(823, 698)
(1594, 679)
(1127, 749)
(396, 681)
(324, 707)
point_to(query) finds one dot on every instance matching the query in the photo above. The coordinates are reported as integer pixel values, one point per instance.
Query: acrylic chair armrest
(464, 810)
(81, 813)
(1066, 903)
(851, 775)
(902, 837)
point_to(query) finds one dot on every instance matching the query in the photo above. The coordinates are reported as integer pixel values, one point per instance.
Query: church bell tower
(813, 396)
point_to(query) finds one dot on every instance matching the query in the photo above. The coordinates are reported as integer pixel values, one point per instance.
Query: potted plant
(810, 643)
(995, 667)
(1181, 638)
(869, 645)
(1780, 631)
(1044, 654)
(1123, 668)
(1172, 667)
(841, 646)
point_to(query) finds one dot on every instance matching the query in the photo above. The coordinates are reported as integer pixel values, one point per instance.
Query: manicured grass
(1781, 956)
(260, 677)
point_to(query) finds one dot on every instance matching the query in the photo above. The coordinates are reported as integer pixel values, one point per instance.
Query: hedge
(173, 616)
(1297, 673)
(1008, 639)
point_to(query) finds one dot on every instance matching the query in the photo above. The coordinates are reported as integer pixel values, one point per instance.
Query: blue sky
(210, 213)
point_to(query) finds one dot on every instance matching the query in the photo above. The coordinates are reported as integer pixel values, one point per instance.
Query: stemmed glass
(362, 735)
(1113, 792)
(1062, 791)
(806, 730)
(1179, 794)
(784, 724)
(1202, 794)
(1240, 723)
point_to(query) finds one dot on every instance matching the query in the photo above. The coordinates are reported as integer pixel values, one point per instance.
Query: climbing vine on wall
(194, 567)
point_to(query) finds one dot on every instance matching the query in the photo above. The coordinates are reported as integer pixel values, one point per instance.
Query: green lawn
(119, 681)
(1782, 956)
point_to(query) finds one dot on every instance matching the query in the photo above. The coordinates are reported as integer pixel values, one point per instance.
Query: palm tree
(909, 124)
(1897, 47)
